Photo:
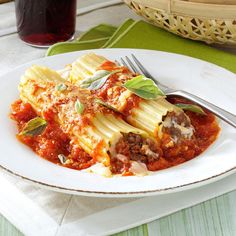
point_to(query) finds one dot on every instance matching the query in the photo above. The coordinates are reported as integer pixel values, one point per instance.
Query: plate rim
(145, 193)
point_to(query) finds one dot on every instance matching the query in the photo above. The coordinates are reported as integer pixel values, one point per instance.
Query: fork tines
(135, 65)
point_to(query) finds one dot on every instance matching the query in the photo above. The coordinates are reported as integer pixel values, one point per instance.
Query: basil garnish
(34, 127)
(191, 107)
(62, 158)
(79, 107)
(96, 81)
(100, 102)
(143, 87)
(61, 87)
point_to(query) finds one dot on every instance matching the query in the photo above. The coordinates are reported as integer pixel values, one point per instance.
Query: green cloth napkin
(140, 34)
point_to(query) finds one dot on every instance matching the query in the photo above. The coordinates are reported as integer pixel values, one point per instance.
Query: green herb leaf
(98, 83)
(61, 87)
(143, 87)
(100, 102)
(62, 158)
(79, 107)
(92, 83)
(191, 107)
(34, 127)
(98, 80)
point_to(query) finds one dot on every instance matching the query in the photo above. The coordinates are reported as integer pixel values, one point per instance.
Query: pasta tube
(154, 116)
(99, 131)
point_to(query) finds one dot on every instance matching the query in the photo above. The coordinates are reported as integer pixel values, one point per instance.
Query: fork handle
(219, 112)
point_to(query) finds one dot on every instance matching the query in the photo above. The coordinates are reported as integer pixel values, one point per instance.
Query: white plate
(201, 78)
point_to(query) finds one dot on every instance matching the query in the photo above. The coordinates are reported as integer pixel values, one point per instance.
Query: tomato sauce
(112, 89)
(206, 127)
(132, 102)
(206, 132)
(52, 142)
(111, 66)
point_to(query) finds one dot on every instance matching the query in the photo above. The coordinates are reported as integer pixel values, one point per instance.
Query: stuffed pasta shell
(152, 115)
(100, 132)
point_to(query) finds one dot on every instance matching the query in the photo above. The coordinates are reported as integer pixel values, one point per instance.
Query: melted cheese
(100, 169)
(138, 168)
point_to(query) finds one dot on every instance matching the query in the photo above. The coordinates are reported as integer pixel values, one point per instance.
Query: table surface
(211, 218)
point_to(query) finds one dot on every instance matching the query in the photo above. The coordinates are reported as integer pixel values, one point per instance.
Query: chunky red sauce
(111, 66)
(112, 89)
(206, 132)
(132, 102)
(52, 142)
(206, 127)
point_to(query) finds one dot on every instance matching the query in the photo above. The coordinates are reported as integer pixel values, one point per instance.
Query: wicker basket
(194, 19)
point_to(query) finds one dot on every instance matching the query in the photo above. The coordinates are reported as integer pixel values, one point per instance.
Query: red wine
(45, 22)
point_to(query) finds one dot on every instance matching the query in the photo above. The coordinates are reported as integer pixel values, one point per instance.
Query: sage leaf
(98, 83)
(61, 87)
(79, 107)
(62, 158)
(98, 80)
(100, 102)
(143, 87)
(88, 83)
(34, 127)
(191, 107)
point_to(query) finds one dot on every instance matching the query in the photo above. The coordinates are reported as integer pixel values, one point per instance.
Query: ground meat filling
(178, 126)
(133, 147)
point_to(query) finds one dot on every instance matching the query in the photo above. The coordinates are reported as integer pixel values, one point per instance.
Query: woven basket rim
(196, 9)
(213, 2)
(206, 3)
(188, 23)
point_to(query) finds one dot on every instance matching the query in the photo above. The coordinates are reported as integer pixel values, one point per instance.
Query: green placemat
(139, 34)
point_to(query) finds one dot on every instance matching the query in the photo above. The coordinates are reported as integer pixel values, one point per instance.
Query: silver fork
(219, 112)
